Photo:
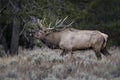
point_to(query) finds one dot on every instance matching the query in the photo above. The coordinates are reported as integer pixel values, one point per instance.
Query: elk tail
(105, 39)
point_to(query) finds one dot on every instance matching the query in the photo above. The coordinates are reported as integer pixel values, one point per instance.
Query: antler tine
(58, 24)
(70, 24)
(66, 26)
(49, 27)
(58, 21)
(40, 24)
(64, 19)
(61, 22)
(43, 21)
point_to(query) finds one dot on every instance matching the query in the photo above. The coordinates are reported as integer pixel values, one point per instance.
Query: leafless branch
(22, 29)
(16, 8)
(2, 9)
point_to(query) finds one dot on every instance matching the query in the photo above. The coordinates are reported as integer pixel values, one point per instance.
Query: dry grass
(47, 64)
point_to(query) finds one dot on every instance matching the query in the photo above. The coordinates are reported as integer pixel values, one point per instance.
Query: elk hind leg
(97, 53)
(105, 52)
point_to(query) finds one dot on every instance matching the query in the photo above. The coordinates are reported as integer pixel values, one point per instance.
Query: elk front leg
(72, 57)
(64, 52)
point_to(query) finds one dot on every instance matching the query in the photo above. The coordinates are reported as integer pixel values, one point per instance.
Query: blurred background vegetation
(18, 17)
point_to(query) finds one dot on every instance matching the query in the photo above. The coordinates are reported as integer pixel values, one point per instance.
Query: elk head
(43, 30)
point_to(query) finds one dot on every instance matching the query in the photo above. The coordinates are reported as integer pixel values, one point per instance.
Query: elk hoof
(108, 54)
(99, 58)
(62, 54)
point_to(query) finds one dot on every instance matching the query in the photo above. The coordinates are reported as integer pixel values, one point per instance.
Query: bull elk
(70, 39)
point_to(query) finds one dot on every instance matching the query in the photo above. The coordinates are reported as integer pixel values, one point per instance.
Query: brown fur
(72, 39)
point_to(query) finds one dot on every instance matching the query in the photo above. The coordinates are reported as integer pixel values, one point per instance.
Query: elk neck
(48, 41)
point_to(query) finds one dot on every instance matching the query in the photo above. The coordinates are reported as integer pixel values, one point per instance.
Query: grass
(47, 64)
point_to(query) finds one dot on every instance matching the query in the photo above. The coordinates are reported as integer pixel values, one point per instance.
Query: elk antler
(41, 24)
(59, 23)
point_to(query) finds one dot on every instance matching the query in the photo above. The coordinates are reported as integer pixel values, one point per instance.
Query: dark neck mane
(49, 43)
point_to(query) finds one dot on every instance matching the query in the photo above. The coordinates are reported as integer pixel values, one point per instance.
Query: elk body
(71, 39)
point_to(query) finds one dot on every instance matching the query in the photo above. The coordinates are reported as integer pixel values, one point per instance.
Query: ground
(47, 64)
